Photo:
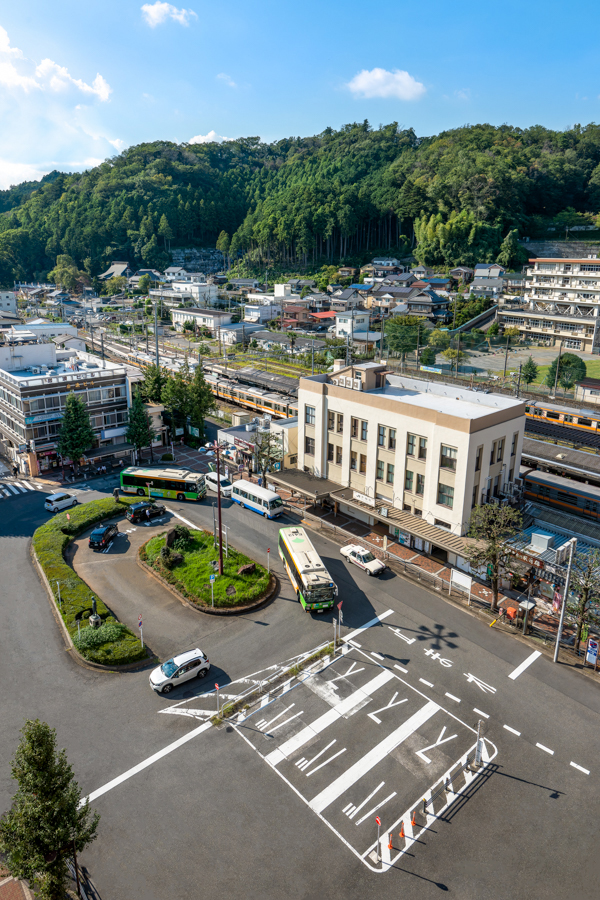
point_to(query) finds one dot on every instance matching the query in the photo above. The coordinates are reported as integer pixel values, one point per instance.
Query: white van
(212, 481)
(258, 499)
(55, 502)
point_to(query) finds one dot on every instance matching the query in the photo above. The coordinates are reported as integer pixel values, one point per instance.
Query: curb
(272, 590)
(70, 646)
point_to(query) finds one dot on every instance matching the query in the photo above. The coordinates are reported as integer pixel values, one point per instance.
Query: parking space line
(452, 697)
(512, 730)
(580, 768)
(401, 669)
(428, 683)
(480, 712)
(326, 763)
(525, 664)
(545, 749)
(375, 808)
(377, 655)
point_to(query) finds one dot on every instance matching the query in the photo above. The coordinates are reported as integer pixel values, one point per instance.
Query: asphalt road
(212, 816)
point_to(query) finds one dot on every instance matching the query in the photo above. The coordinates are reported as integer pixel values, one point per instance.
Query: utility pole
(146, 337)
(506, 354)
(564, 603)
(102, 343)
(458, 354)
(519, 381)
(156, 332)
(217, 450)
(313, 358)
(557, 369)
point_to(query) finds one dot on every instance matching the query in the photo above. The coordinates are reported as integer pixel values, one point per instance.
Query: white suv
(212, 482)
(191, 664)
(55, 502)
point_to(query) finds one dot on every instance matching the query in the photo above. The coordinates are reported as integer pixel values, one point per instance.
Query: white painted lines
(428, 683)
(401, 669)
(377, 655)
(480, 712)
(452, 697)
(524, 665)
(372, 811)
(354, 643)
(545, 749)
(304, 763)
(580, 768)
(512, 730)
(326, 763)
(351, 810)
(369, 624)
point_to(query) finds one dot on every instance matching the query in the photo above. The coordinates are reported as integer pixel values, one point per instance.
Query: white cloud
(118, 144)
(227, 79)
(211, 137)
(57, 78)
(15, 172)
(464, 94)
(158, 12)
(381, 83)
(10, 77)
(5, 45)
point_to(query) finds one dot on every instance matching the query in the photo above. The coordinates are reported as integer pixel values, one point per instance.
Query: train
(573, 497)
(274, 404)
(583, 419)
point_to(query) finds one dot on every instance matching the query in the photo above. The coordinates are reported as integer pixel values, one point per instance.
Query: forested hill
(338, 195)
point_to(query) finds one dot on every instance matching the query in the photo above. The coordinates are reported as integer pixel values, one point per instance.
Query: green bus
(174, 484)
(314, 586)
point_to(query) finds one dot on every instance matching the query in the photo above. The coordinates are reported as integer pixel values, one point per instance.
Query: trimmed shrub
(167, 457)
(50, 542)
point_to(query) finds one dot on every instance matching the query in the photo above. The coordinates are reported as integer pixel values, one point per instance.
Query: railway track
(563, 433)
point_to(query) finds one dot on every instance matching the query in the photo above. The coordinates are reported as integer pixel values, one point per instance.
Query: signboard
(403, 537)
(430, 369)
(591, 655)
(178, 432)
(532, 560)
(194, 431)
(362, 498)
(44, 417)
(245, 445)
(212, 578)
(461, 580)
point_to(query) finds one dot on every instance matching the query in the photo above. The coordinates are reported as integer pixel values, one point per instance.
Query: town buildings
(406, 451)
(8, 302)
(213, 319)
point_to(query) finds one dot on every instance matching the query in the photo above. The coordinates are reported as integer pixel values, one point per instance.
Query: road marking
(401, 669)
(545, 749)
(354, 643)
(285, 722)
(262, 726)
(375, 808)
(377, 655)
(580, 768)
(145, 763)
(328, 718)
(390, 705)
(326, 797)
(11, 488)
(305, 763)
(369, 624)
(441, 740)
(365, 801)
(452, 697)
(185, 521)
(428, 683)
(525, 664)
(327, 761)
(512, 730)
(480, 712)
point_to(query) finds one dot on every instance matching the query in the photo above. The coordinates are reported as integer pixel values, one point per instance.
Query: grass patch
(192, 576)
(592, 371)
(113, 643)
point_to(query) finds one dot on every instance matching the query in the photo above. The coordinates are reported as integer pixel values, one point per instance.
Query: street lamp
(573, 543)
(218, 450)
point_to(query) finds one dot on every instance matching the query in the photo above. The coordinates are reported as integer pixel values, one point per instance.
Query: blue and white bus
(256, 498)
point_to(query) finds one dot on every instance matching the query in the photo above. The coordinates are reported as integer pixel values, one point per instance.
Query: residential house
(488, 270)
(350, 322)
(319, 302)
(422, 271)
(258, 313)
(462, 273)
(175, 273)
(348, 298)
(238, 332)
(438, 284)
(382, 271)
(405, 279)
(68, 342)
(347, 272)
(244, 284)
(486, 287)
(425, 303)
(367, 270)
(204, 318)
(298, 284)
(295, 315)
(327, 317)
(385, 296)
(8, 302)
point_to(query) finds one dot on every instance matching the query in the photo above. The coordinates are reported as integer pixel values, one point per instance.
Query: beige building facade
(433, 451)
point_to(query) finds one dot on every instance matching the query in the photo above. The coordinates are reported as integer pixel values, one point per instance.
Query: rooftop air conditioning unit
(357, 384)
(35, 370)
(384, 511)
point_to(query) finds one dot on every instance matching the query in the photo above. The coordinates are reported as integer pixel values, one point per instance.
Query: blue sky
(80, 81)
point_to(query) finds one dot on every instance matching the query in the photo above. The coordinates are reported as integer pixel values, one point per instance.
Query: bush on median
(118, 645)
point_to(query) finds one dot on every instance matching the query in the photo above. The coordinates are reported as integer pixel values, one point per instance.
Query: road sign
(378, 820)
(212, 577)
(591, 655)
(139, 621)
(339, 606)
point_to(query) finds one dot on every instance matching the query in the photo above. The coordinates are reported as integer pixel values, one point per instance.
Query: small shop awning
(303, 483)
(109, 450)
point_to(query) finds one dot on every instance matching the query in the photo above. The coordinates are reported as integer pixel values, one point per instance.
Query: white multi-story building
(8, 302)
(431, 450)
(561, 304)
(351, 322)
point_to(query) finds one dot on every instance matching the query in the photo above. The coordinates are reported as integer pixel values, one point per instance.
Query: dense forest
(338, 196)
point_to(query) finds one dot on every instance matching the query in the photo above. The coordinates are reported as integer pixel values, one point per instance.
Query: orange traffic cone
(401, 832)
(390, 842)
(413, 821)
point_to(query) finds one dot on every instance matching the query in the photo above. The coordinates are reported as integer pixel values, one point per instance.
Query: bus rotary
(174, 484)
(314, 586)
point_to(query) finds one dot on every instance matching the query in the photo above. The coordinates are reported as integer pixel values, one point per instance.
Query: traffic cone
(390, 847)
(413, 821)
(401, 832)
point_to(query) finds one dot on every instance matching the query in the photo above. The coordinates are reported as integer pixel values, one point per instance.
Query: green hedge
(113, 643)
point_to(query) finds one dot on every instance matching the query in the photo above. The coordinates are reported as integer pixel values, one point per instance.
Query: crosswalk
(16, 488)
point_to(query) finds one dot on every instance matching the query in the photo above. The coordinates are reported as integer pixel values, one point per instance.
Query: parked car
(212, 482)
(191, 664)
(55, 502)
(141, 512)
(102, 536)
(363, 558)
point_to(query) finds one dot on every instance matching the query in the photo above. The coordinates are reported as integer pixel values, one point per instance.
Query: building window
(493, 453)
(363, 464)
(390, 473)
(445, 495)
(478, 459)
(354, 427)
(418, 512)
(330, 421)
(500, 453)
(420, 484)
(329, 452)
(340, 423)
(513, 448)
(441, 524)
(448, 458)
(353, 460)
(380, 468)
(422, 448)
(474, 498)
(338, 456)
(408, 480)
(309, 446)
(309, 415)
(363, 431)
(407, 507)
(381, 436)
(392, 439)
(411, 443)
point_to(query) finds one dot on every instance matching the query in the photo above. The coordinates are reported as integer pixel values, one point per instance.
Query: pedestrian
(15, 471)
(147, 515)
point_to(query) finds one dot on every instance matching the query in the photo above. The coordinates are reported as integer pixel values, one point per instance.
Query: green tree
(529, 371)
(144, 283)
(572, 368)
(176, 396)
(139, 427)
(155, 378)
(67, 274)
(455, 357)
(223, 244)
(405, 333)
(201, 401)
(512, 333)
(438, 340)
(512, 254)
(269, 452)
(428, 356)
(115, 285)
(492, 526)
(493, 330)
(76, 433)
(165, 231)
(46, 819)
(585, 585)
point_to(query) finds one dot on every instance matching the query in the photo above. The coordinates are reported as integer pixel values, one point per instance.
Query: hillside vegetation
(340, 195)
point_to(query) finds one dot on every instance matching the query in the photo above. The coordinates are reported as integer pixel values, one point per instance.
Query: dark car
(101, 537)
(141, 512)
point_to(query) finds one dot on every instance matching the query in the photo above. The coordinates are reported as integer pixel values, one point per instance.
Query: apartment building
(560, 305)
(408, 449)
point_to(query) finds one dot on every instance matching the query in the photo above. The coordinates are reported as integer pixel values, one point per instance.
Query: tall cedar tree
(529, 371)
(492, 526)
(585, 583)
(139, 428)
(37, 832)
(76, 433)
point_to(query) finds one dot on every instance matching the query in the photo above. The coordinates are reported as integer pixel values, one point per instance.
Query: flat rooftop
(68, 370)
(445, 398)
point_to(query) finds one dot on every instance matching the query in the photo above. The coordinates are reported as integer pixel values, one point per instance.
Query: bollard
(413, 821)
(401, 832)
(390, 845)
